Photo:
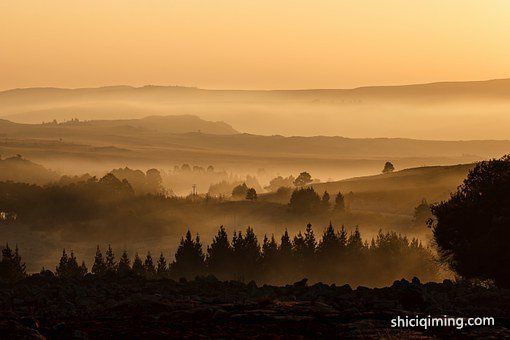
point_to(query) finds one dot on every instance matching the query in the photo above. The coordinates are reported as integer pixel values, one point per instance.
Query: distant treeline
(337, 257)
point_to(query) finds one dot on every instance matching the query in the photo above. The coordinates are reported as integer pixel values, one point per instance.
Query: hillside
(166, 141)
(451, 110)
(399, 192)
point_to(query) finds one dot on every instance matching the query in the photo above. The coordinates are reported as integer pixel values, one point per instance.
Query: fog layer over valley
(446, 111)
(158, 167)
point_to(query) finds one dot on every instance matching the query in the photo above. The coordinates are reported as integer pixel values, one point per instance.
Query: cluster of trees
(335, 257)
(142, 183)
(306, 200)
(472, 228)
(12, 268)
(243, 192)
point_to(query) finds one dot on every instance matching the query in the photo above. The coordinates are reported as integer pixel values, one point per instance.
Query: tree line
(335, 257)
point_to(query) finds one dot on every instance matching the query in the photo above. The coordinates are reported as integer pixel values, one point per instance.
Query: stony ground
(46, 307)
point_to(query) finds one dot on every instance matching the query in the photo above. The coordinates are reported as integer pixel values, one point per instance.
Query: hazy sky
(252, 44)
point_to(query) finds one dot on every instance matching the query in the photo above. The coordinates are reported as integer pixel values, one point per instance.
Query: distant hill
(400, 191)
(448, 110)
(152, 124)
(18, 169)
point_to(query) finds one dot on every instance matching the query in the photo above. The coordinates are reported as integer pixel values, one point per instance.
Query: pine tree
(325, 200)
(61, 269)
(138, 268)
(339, 202)
(310, 242)
(99, 266)
(220, 255)
(11, 267)
(73, 270)
(189, 258)
(162, 267)
(124, 266)
(148, 265)
(111, 266)
(83, 269)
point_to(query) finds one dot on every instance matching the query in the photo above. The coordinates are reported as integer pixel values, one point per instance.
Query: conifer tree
(339, 202)
(189, 258)
(83, 269)
(138, 268)
(161, 267)
(61, 269)
(325, 200)
(111, 266)
(220, 255)
(124, 266)
(148, 265)
(99, 266)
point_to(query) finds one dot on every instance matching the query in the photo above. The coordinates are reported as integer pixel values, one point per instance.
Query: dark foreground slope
(43, 306)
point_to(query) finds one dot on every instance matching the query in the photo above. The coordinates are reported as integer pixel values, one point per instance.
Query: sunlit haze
(251, 44)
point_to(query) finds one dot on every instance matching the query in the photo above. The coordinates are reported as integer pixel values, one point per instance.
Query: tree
(219, 255)
(68, 267)
(304, 200)
(99, 266)
(325, 199)
(124, 266)
(138, 268)
(154, 182)
(148, 264)
(251, 194)
(279, 182)
(303, 179)
(240, 191)
(12, 268)
(111, 266)
(339, 202)
(246, 254)
(388, 167)
(161, 267)
(189, 258)
(422, 213)
(471, 229)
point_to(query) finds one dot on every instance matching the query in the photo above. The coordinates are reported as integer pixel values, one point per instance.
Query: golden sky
(251, 44)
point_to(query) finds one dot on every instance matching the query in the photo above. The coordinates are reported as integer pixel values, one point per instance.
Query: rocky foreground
(43, 306)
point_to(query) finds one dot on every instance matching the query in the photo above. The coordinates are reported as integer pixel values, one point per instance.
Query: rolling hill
(451, 110)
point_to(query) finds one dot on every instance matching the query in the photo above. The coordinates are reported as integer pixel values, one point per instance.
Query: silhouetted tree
(219, 255)
(388, 167)
(325, 199)
(154, 182)
(472, 227)
(303, 179)
(124, 266)
(422, 213)
(339, 202)
(240, 191)
(148, 264)
(304, 200)
(161, 267)
(251, 194)
(189, 258)
(247, 254)
(269, 255)
(138, 268)
(68, 267)
(99, 266)
(111, 266)
(280, 182)
(12, 268)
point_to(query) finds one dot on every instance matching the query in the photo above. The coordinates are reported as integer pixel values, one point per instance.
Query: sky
(245, 44)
